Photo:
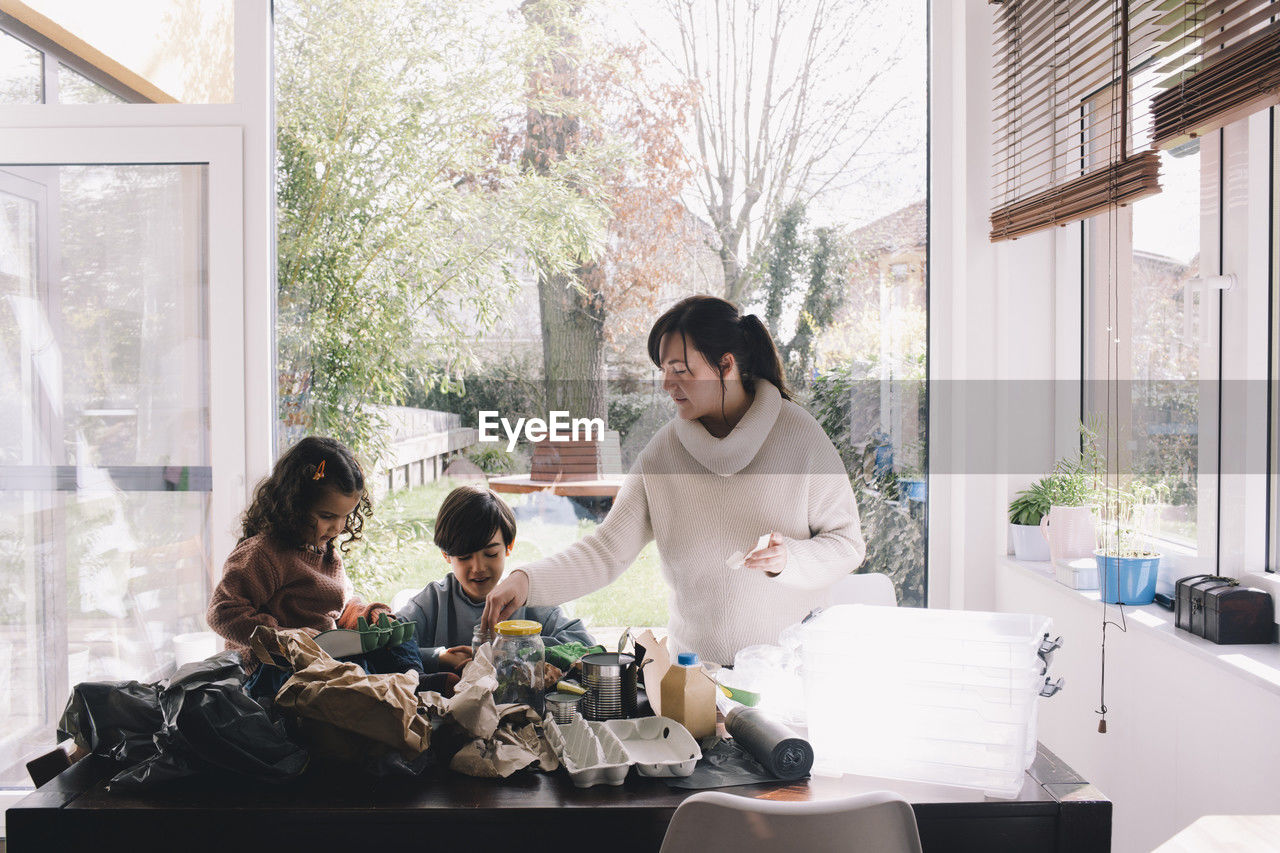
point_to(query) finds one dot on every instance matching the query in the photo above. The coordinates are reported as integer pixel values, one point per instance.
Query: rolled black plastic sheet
(775, 746)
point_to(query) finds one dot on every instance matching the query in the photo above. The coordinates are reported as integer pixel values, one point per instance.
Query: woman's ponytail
(762, 360)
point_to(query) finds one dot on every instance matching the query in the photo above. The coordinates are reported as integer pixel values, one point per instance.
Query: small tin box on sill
(1224, 612)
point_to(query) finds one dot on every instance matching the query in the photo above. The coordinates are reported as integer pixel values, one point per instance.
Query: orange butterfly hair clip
(319, 474)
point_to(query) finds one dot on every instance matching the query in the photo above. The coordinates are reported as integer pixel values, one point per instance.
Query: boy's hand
(506, 598)
(456, 658)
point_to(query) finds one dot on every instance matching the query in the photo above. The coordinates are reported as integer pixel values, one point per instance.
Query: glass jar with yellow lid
(518, 656)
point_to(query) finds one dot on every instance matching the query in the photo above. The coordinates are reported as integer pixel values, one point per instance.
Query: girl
(286, 572)
(739, 460)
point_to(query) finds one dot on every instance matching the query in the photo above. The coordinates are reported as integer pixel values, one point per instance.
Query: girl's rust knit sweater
(265, 583)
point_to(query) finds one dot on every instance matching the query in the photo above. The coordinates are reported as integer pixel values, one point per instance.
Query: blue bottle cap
(687, 658)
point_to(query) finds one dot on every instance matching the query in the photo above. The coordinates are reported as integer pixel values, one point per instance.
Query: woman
(739, 460)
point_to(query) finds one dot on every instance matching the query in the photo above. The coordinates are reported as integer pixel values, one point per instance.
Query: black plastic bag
(115, 719)
(724, 763)
(202, 720)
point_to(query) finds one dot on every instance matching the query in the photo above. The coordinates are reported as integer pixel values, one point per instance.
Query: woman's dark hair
(714, 327)
(306, 471)
(467, 519)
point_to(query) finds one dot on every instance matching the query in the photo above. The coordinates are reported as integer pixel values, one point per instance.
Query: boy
(475, 530)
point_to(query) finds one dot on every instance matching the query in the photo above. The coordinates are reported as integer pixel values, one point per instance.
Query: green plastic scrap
(566, 655)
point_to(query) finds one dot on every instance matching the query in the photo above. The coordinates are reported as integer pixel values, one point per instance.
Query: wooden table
(1237, 833)
(1055, 811)
(607, 487)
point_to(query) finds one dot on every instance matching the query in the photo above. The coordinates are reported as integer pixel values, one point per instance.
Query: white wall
(994, 344)
(1187, 735)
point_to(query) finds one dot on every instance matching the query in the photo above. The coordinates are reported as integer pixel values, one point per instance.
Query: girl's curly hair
(282, 501)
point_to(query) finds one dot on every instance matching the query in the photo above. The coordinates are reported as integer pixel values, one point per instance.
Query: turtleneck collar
(729, 455)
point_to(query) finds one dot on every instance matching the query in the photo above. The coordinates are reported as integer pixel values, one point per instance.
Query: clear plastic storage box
(942, 696)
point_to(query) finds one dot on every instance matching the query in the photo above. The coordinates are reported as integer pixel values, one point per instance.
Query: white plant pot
(1029, 542)
(188, 648)
(1071, 532)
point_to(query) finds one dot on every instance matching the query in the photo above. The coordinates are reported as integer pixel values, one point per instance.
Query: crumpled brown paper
(382, 708)
(505, 738)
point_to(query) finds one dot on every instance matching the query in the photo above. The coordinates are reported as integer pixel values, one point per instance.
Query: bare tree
(792, 97)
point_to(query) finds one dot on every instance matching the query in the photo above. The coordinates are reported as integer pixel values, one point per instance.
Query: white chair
(865, 588)
(401, 598)
(877, 822)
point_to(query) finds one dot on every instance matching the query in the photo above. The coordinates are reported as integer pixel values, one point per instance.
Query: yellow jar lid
(519, 628)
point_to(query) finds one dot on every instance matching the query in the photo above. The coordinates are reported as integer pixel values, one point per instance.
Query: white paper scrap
(737, 559)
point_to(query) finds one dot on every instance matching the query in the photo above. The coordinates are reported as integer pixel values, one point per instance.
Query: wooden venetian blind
(1218, 61)
(1068, 118)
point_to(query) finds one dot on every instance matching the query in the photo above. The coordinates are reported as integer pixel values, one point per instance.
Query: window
(76, 88)
(831, 253)
(1149, 328)
(1179, 313)
(21, 72)
(36, 70)
(130, 417)
(104, 463)
(83, 52)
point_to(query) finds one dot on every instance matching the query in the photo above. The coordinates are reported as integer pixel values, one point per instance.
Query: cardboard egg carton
(602, 753)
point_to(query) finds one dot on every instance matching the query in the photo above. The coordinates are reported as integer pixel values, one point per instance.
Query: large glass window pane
(1165, 359)
(168, 51)
(21, 72)
(589, 204)
(1148, 327)
(104, 454)
(75, 88)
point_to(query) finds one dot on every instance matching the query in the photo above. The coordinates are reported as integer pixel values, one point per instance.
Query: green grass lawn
(399, 554)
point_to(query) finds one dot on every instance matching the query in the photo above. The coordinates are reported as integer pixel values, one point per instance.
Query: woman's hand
(506, 598)
(771, 559)
(456, 658)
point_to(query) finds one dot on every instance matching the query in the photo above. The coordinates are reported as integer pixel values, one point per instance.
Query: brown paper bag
(505, 738)
(382, 708)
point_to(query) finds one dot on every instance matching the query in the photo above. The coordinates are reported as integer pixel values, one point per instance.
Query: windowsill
(1257, 663)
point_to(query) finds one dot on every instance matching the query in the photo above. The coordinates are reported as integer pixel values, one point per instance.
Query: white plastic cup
(195, 646)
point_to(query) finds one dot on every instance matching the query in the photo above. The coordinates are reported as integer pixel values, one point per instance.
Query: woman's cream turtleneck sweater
(704, 498)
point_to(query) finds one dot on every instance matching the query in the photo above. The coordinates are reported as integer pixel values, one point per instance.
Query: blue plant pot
(915, 490)
(884, 459)
(1127, 580)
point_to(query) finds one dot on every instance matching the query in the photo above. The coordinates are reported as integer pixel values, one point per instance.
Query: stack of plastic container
(944, 696)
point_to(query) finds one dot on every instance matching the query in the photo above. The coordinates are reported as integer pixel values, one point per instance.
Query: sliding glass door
(116, 350)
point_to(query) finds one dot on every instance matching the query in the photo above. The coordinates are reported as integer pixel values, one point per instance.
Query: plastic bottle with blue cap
(689, 696)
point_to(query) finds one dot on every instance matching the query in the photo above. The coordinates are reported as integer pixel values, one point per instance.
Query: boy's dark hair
(300, 477)
(467, 519)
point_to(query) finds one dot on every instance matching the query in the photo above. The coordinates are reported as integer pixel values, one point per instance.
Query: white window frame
(253, 112)
(238, 140)
(220, 148)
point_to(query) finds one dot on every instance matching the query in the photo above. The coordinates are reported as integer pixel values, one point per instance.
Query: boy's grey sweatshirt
(445, 617)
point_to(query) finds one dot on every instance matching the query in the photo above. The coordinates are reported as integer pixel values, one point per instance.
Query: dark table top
(440, 798)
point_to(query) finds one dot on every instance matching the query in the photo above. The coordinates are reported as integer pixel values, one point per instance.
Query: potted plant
(1025, 511)
(1127, 565)
(1071, 484)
